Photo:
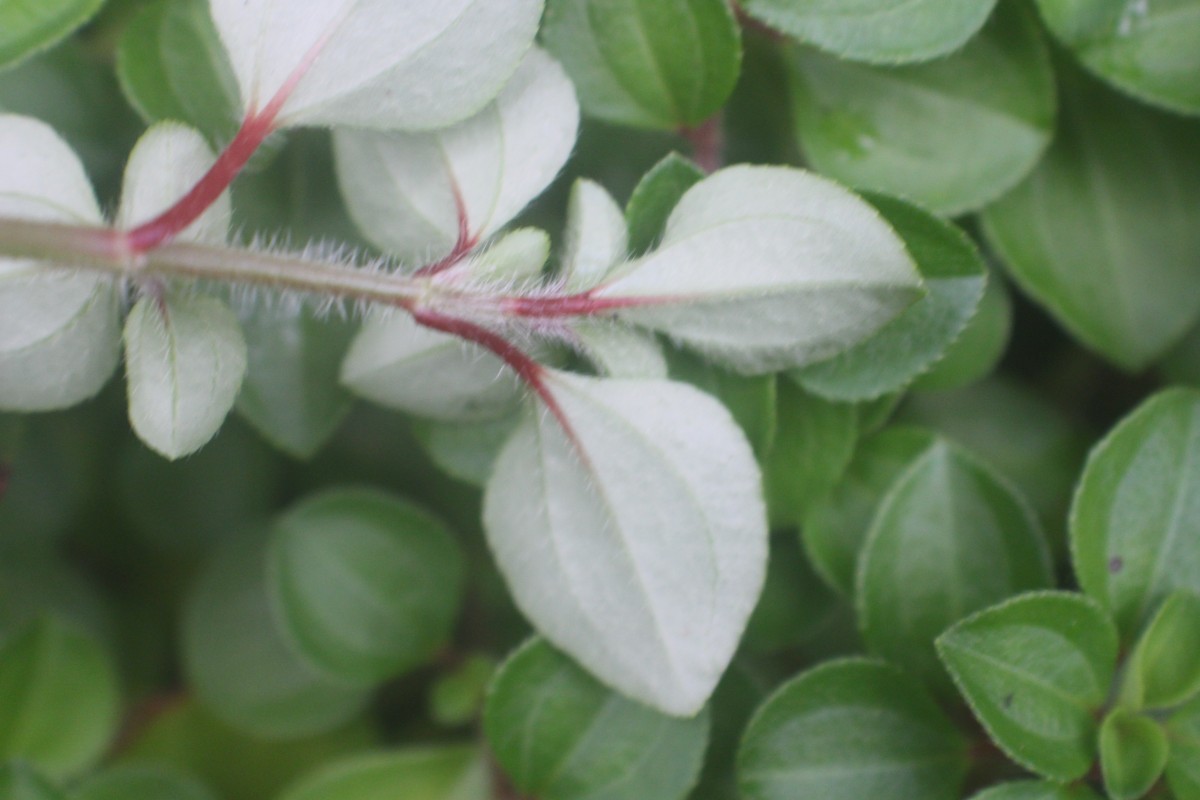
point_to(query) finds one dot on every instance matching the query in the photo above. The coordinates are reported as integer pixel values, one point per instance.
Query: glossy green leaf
(880, 31)
(1183, 764)
(447, 773)
(1131, 535)
(172, 66)
(1147, 49)
(949, 538)
(19, 781)
(849, 730)
(27, 26)
(1163, 670)
(1035, 670)
(291, 393)
(655, 197)
(366, 586)
(61, 706)
(813, 442)
(835, 528)
(560, 735)
(979, 348)
(647, 63)
(1036, 790)
(457, 697)
(240, 664)
(1133, 753)
(951, 135)
(1100, 233)
(910, 344)
(141, 782)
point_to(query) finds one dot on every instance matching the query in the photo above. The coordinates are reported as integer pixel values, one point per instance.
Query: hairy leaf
(596, 236)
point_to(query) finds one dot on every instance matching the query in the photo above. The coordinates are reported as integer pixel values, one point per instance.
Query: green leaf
(813, 442)
(238, 661)
(647, 63)
(647, 493)
(834, 529)
(818, 271)
(794, 605)
(27, 26)
(849, 730)
(457, 697)
(291, 394)
(878, 31)
(465, 450)
(141, 782)
(366, 586)
(1035, 670)
(61, 706)
(19, 781)
(655, 197)
(951, 135)
(980, 346)
(560, 735)
(618, 351)
(911, 343)
(1100, 233)
(1132, 539)
(751, 400)
(445, 773)
(949, 538)
(1036, 790)
(35, 582)
(1183, 765)
(1146, 49)
(1163, 670)
(185, 358)
(172, 66)
(1133, 753)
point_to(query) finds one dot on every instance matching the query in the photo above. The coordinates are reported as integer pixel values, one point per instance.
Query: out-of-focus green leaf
(447, 773)
(655, 197)
(27, 26)
(1133, 753)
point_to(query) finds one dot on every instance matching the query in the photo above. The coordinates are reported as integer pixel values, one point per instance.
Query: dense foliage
(850, 455)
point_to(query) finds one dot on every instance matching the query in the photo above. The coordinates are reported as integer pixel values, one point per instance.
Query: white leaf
(399, 364)
(765, 268)
(514, 260)
(384, 64)
(401, 188)
(59, 332)
(638, 546)
(186, 359)
(166, 163)
(618, 351)
(597, 236)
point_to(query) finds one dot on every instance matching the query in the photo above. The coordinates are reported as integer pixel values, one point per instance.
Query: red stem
(466, 240)
(708, 143)
(572, 305)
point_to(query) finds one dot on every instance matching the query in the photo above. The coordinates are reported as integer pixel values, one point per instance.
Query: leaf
(848, 730)
(1146, 49)
(399, 364)
(465, 450)
(403, 189)
(596, 236)
(637, 542)
(951, 135)
(239, 663)
(560, 735)
(1133, 753)
(1183, 765)
(28, 26)
(1163, 670)
(978, 349)
(19, 781)
(1035, 790)
(365, 586)
(374, 63)
(647, 63)
(457, 697)
(877, 31)
(1132, 541)
(817, 271)
(61, 698)
(617, 351)
(1099, 233)
(442, 773)
(141, 782)
(655, 197)
(171, 65)
(1035, 670)
(912, 342)
(59, 335)
(185, 358)
(291, 393)
(751, 400)
(794, 605)
(949, 538)
(811, 448)
(835, 526)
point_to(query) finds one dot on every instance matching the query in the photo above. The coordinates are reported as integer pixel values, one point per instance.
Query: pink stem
(708, 143)
(466, 240)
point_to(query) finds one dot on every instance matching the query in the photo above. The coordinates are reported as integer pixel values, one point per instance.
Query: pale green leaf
(618, 351)
(1183, 765)
(443, 773)
(1133, 753)
(465, 450)
(980, 346)
(136, 781)
(596, 236)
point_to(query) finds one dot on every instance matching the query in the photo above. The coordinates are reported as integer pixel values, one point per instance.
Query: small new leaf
(596, 236)
(1164, 670)
(1133, 753)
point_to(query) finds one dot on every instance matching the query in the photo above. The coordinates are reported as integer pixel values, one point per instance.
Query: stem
(708, 143)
